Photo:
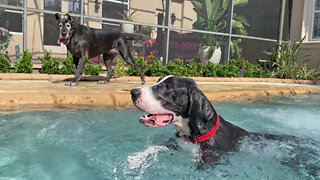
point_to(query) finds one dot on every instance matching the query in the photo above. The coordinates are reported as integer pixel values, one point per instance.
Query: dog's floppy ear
(160, 79)
(67, 17)
(200, 110)
(58, 17)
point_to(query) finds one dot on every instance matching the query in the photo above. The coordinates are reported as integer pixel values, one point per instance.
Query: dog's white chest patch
(181, 125)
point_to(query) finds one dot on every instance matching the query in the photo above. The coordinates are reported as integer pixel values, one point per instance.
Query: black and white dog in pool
(179, 101)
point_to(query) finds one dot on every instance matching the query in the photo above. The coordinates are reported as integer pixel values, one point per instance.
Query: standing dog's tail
(130, 36)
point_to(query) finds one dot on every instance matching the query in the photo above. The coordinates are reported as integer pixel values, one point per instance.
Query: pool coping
(89, 95)
(58, 77)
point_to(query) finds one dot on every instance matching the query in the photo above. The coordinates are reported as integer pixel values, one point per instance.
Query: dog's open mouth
(156, 120)
(62, 40)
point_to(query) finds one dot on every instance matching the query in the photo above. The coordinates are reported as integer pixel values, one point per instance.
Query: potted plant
(241, 65)
(211, 16)
(126, 27)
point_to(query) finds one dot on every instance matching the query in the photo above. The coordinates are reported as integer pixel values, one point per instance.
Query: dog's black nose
(63, 33)
(135, 93)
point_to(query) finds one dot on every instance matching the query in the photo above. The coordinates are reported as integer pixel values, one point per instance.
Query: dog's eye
(60, 25)
(68, 25)
(167, 87)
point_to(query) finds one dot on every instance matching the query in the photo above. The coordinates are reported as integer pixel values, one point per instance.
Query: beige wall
(34, 36)
(147, 13)
(302, 14)
(17, 38)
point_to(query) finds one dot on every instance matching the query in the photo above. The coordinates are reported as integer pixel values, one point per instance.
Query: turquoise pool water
(112, 144)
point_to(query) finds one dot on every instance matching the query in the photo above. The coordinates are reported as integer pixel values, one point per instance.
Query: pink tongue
(62, 40)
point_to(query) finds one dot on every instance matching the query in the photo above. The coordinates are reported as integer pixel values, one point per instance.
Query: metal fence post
(81, 13)
(228, 44)
(167, 20)
(282, 14)
(25, 25)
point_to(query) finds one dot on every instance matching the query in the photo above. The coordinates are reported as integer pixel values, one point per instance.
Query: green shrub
(120, 69)
(91, 69)
(304, 72)
(176, 68)
(67, 65)
(4, 64)
(233, 69)
(192, 70)
(221, 71)
(49, 65)
(210, 70)
(201, 69)
(229, 69)
(142, 63)
(251, 70)
(155, 68)
(24, 64)
(285, 65)
(254, 71)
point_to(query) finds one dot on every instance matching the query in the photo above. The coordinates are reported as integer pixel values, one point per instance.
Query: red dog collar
(204, 137)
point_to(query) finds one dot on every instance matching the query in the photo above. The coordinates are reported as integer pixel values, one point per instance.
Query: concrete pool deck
(41, 90)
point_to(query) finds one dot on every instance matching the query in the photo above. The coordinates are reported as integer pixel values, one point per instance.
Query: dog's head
(65, 24)
(177, 100)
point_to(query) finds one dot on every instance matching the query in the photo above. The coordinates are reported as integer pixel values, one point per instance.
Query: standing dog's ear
(58, 17)
(67, 17)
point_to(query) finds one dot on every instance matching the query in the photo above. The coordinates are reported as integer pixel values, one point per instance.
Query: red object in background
(97, 59)
(182, 46)
(149, 46)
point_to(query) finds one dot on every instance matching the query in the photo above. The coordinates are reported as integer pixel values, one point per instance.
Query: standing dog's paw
(103, 82)
(70, 83)
(143, 82)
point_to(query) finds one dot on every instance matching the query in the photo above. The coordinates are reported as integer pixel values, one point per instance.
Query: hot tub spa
(112, 144)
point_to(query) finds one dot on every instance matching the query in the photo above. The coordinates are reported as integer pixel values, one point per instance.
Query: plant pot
(241, 73)
(127, 28)
(203, 53)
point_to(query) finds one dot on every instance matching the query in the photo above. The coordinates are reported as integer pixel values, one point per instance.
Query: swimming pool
(112, 144)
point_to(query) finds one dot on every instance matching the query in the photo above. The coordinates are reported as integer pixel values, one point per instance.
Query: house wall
(35, 30)
(301, 26)
(147, 13)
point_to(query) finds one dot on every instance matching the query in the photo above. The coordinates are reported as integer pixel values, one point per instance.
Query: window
(74, 6)
(11, 19)
(113, 9)
(51, 31)
(54, 5)
(12, 2)
(316, 20)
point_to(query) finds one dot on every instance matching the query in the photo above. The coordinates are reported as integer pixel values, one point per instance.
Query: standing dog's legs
(78, 69)
(107, 59)
(75, 64)
(124, 50)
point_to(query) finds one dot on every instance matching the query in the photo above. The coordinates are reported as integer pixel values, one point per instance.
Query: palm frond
(215, 9)
(209, 7)
(240, 3)
(240, 18)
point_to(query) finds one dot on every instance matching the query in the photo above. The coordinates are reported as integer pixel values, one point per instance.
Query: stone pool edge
(11, 101)
(56, 77)
(121, 98)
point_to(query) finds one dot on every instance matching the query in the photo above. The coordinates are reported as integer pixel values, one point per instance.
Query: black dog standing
(84, 43)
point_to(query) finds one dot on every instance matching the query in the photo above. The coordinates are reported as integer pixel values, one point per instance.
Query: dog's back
(84, 42)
